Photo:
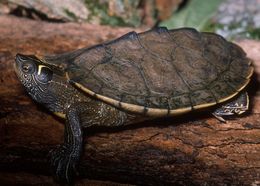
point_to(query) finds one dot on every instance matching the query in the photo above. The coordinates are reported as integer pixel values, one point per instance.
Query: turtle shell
(159, 72)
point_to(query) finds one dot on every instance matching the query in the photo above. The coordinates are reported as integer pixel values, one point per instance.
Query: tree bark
(189, 150)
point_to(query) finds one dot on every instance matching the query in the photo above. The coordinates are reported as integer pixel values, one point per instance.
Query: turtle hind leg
(235, 107)
(219, 117)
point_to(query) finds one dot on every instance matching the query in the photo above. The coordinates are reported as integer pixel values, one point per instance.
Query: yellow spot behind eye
(40, 69)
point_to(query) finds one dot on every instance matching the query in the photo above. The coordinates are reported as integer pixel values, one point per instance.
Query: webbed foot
(63, 163)
(237, 106)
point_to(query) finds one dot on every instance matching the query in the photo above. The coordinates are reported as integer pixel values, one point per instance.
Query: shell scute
(153, 102)
(115, 72)
(158, 43)
(140, 100)
(203, 72)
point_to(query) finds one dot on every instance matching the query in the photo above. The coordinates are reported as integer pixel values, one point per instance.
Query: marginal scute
(202, 97)
(106, 90)
(152, 102)
(140, 100)
(180, 101)
(159, 72)
(221, 89)
(236, 51)
(239, 67)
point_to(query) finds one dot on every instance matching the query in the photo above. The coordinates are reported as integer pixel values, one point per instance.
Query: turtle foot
(63, 163)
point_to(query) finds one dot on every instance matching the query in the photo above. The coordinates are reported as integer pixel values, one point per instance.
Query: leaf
(196, 14)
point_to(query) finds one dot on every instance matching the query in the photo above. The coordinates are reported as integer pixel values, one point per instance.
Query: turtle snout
(20, 58)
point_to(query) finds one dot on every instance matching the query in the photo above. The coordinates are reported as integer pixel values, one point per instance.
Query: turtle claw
(63, 163)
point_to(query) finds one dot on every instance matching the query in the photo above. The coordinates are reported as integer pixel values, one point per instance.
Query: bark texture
(190, 150)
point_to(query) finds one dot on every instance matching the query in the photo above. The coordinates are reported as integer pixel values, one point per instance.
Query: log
(189, 150)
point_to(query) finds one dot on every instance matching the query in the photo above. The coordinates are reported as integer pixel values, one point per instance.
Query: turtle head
(34, 75)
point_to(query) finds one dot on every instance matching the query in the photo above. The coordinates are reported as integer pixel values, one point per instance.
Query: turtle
(138, 76)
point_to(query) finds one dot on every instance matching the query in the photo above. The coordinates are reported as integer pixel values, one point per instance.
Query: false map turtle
(157, 73)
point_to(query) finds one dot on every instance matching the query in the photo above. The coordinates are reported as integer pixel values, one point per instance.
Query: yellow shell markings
(247, 101)
(204, 105)
(132, 107)
(251, 71)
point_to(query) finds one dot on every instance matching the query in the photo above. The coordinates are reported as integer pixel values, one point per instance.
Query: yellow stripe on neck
(59, 114)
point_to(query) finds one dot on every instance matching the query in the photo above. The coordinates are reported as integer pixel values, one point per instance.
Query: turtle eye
(28, 68)
(44, 75)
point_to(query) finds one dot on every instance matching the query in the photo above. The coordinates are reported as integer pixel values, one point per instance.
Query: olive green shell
(160, 69)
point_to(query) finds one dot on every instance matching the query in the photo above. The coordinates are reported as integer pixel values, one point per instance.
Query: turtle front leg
(65, 158)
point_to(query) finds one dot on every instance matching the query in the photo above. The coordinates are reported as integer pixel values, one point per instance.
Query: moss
(99, 9)
(234, 30)
(254, 33)
(113, 20)
(70, 14)
(95, 7)
(210, 27)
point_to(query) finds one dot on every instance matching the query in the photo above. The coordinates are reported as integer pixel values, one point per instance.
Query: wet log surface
(189, 150)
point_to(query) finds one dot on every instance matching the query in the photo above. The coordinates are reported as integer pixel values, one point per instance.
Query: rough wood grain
(190, 150)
